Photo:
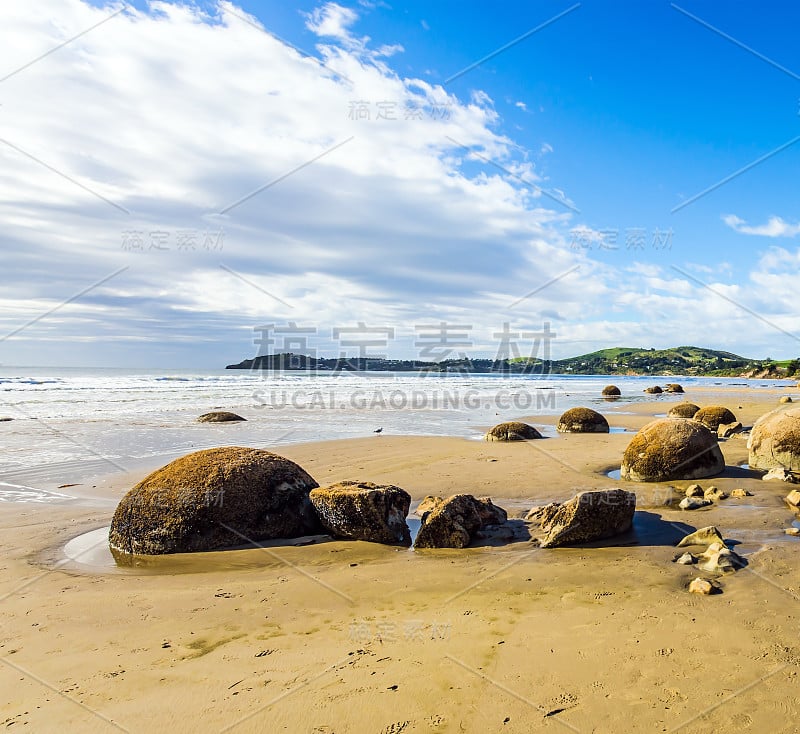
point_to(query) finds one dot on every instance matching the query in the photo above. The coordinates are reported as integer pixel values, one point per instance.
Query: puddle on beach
(90, 553)
(618, 429)
(614, 474)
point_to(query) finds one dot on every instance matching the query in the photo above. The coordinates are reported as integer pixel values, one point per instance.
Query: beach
(332, 636)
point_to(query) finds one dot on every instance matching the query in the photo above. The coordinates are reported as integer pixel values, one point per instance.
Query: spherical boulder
(582, 420)
(512, 431)
(683, 410)
(366, 511)
(220, 416)
(213, 499)
(775, 440)
(672, 448)
(673, 387)
(714, 415)
(654, 390)
(611, 391)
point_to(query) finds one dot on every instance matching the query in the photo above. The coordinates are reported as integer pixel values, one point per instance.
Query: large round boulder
(611, 391)
(512, 431)
(212, 499)
(673, 387)
(714, 416)
(672, 448)
(364, 511)
(654, 390)
(775, 440)
(683, 410)
(220, 416)
(582, 420)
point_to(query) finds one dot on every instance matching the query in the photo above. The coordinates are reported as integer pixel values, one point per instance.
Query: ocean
(72, 424)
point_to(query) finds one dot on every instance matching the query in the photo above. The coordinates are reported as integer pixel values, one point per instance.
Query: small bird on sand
(377, 430)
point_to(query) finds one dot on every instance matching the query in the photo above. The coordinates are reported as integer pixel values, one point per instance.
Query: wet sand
(353, 637)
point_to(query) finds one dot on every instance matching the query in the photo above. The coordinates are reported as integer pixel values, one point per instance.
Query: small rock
(785, 399)
(704, 536)
(779, 473)
(694, 490)
(687, 559)
(792, 531)
(726, 430)
(694, 503)
(793, 498)
(739, 492)
(701, 586)
(715, 494)
(719, 559)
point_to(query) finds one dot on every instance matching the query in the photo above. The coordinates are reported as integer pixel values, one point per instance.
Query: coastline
(351, 637)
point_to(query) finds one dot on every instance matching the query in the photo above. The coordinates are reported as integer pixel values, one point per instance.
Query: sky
(187, 185)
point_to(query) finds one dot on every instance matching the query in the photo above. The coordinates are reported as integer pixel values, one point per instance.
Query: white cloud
(522, 106)
(332, 20)
(775, 227)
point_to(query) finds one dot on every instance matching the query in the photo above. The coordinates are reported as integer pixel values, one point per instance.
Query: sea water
(71, 424)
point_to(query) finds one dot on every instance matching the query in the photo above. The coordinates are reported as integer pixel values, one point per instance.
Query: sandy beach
(340, 637)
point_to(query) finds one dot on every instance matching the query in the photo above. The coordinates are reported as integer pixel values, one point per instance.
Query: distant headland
(614, 361)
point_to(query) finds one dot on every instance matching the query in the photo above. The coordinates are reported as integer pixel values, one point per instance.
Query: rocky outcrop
(375, 513)
(220, 416)
(672, 448)
(214, 499)
(512, 431)
(453, 523)
(589, 516)
(714, 416)
(611, 391)
(683, 410)
(775, 440)
(582, 420)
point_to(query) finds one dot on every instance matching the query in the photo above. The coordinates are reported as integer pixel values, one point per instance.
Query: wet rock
(694, 490)
(715, 494)
(701, 586)
(214, 499)
(673, 387)
(611, 391)
(512, 431)
(672, 448)
(582, 420)
(719, 559)
(589, 516)
(543, 513)
(726, 430)
(654, 390)
(454, 522)
(775, 440)
(714, 416)
(683, 410)
(792, 531)
(220, 416)
(779, 474)
(687, 559)
(694, 503)
(366, 511)
(704, 536)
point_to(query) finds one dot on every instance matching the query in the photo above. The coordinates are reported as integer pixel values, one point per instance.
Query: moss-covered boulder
(212, 499)
(610, 391)
(714, 415)
(220, 416)
(683, 410)
(775, 440)
(589, 516)
(582, 420)
(672, 448)
(375, 513)
(454, 522)
(512, 431)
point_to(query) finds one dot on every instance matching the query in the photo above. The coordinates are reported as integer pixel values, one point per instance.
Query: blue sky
(142, 136)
